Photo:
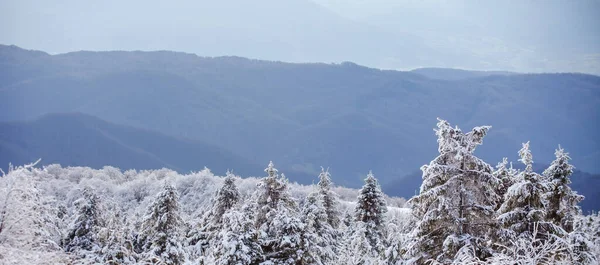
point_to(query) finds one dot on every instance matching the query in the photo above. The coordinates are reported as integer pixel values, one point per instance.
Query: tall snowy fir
(160, 235)
(358, 249)
(329, 199)
(318, 237)
(507, 176)
(524, 207)
(562, 201)
(227, 196)
(370, 212)
(457, 199)
(202, 234)
(83, 231)
(277, 220)
(237, 242)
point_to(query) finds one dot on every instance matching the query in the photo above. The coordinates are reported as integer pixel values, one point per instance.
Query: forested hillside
(76, 139)
(466, 212)
(346, 116)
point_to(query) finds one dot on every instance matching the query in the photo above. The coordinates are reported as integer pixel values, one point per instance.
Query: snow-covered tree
(277, 219)
(507, 176)
(357, 248)
(200, 237)
(27, 220)
(160, 228)
(272, 190)
(237, 242)
(524, 206)
(83, 231)
(457, 198)
(117, 240)
(281, 236)
(370, 211)
(226, 197)
(318, 237)
(562, 200)
(329, 198)
(585, 240)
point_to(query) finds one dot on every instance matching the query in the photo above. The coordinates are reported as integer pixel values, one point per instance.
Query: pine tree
(370, 210)
(523, 206)
(562, 200)
(457, 199)
(329, 198)
(160, 228)
(84, 228)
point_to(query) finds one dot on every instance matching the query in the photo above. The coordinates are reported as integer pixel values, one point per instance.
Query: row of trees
(269, 227)
(467, 210)
(466, 213)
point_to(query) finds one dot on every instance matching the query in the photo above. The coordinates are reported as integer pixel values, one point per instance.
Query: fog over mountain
(521, 36)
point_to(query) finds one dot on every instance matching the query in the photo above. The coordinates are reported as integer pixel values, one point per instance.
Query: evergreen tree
(524, 205)
(506, 174)
(277, 219)
(318, 237)
(84, 228)
(160, 228)
(329, 198)
(271, 190)
(370, 211)
(586, 230)
(236, 243)
(457, 198)
(201, 236)
(562, 200)
(226, 197)
(357, 247)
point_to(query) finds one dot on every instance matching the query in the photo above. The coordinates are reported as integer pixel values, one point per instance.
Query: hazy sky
(526, 36)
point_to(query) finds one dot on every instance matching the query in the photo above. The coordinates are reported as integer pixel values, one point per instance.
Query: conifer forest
(466, 212)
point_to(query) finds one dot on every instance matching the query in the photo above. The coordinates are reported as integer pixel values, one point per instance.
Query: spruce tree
(160, 228)
(226, 197)
(457, 198)
(318, 237)
(200, 237)
(507, 176)
(236, 243)
(524, 207)
(357, 248)
(84, 228)
(562, 200)
(370, 211)
(329, 198)
(277, 219)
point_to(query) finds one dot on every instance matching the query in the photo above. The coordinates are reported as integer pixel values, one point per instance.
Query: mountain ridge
(345, 116)
(57, 138)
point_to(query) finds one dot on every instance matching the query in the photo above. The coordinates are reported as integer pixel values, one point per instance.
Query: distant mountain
(584, 183)
(456, 74)
(75, 139)
(303, 116)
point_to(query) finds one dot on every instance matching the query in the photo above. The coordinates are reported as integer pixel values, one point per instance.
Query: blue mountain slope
(74, 139)
(348, 117)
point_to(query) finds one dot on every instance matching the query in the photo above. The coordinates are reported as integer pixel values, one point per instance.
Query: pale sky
(524, 36)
